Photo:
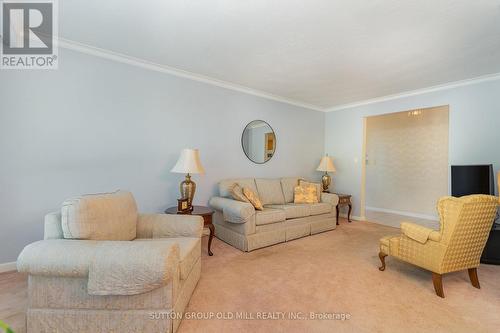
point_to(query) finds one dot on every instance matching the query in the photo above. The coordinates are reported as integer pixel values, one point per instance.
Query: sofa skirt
(276, 233)
(62, 305)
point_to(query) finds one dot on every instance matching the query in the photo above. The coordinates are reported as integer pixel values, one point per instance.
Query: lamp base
(326, 180)
(187, 189)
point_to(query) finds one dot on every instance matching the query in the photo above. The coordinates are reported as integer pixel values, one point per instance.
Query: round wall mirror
(258, 141)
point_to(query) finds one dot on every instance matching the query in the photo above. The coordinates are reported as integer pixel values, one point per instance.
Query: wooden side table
(204, 212)
(344, 199)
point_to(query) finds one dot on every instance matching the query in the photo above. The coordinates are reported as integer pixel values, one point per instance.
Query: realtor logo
(28, 28)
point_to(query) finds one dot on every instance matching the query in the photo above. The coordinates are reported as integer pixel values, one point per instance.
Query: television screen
(472, 179)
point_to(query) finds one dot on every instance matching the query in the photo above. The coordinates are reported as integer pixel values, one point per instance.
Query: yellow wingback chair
(465, 224)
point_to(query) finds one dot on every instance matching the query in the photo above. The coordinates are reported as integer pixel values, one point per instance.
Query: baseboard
(409, 214)
(354, 217)
(8, 267)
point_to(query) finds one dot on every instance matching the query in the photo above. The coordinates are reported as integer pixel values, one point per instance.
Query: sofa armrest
(57, 257)
(330, 198)
(166, 225)
(419, 233)
(112, 267)
(429, 255)
(52, 226)
(233, 211)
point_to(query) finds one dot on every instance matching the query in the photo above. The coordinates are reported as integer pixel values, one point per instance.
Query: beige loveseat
(103, 267)
(240, 225)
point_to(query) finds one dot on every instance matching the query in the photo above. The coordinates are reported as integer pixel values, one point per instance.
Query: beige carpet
(333, 272)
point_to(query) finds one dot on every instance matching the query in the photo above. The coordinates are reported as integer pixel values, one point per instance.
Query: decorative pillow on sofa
(319, 187)
(288, 185)
(305, 194)
(225, 185)
(253, 198)
(236, 192)
(107, 216)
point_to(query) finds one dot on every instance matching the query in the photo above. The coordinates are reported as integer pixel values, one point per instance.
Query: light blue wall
(96, 125)
(474, 130)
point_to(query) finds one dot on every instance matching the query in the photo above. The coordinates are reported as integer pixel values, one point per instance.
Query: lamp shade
(189, 162)
(326, 164)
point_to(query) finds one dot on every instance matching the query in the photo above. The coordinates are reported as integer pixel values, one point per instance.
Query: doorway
(405, 170)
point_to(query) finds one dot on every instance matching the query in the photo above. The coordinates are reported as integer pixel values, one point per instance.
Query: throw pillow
(104, 216)
(236, 192)
(319, 187)
(253, 198)
(305, 194)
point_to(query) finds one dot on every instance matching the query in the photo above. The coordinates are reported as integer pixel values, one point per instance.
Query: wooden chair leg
(437, 280)
(473, 277)
(382, 256)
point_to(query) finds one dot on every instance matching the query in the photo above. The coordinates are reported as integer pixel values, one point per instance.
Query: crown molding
(445, 86)
(137, 62)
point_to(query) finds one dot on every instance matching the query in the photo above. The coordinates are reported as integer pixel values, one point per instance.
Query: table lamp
(326, 165)
(188, 163)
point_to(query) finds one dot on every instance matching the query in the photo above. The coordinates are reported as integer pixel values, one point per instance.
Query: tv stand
(491, 252)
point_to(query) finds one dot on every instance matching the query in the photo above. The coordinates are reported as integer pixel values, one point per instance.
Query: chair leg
(382, 256)
(437, 280)
(473, 277)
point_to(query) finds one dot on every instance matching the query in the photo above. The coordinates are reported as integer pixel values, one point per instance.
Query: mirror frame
(275, 141)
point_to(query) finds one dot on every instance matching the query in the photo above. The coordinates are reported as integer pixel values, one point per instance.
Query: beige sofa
(127, 272)
(240, 225)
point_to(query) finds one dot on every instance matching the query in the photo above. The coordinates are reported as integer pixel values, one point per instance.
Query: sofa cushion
(269, 215)
(225, 185)
(108, 216)
(270, 191)
(320, 208)
(288, 185)
(189, 251)
(293, 211)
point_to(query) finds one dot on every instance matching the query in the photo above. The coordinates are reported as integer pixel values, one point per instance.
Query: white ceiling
(320, 52)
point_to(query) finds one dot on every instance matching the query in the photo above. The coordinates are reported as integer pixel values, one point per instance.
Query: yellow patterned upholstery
(305, 194)
(465, 224)
(419, 233)
(253, 198)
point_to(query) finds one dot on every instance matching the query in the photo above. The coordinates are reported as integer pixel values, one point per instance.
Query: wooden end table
(204, 212)
(344, 199)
